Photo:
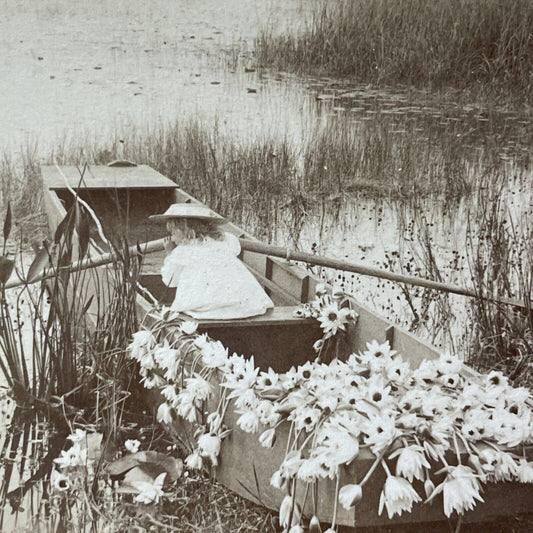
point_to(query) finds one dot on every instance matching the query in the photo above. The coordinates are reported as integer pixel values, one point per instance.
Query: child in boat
(202, 263)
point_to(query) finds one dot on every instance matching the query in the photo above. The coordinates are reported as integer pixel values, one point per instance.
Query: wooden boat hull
(123, 198)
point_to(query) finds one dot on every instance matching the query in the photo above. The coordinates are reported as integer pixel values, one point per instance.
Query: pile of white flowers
(440, 424)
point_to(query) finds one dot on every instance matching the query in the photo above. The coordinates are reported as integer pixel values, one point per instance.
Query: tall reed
(501, 263)
(482, 45)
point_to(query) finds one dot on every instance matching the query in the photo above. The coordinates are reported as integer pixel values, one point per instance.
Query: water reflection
(29, 443)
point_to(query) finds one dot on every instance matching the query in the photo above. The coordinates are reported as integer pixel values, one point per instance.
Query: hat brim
(165, 218)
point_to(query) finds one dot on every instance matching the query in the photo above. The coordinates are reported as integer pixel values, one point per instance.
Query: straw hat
(199, 212)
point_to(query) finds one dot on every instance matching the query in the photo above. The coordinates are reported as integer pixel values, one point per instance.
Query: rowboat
(123, 196)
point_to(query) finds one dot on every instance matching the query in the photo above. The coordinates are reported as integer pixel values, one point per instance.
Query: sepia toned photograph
(266, 266)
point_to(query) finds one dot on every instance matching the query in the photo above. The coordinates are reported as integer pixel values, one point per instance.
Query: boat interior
(124, 197)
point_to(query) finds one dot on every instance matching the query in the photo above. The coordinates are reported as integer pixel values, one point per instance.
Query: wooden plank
(278, 316)
(276, 293)
(104, 177)
(288, 277)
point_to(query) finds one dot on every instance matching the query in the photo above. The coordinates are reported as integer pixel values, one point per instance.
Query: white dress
(211, 282)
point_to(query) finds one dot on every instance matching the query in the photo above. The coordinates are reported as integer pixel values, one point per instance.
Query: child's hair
(195, 229)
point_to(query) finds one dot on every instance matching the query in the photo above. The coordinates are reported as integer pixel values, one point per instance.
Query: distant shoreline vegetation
(483, 47)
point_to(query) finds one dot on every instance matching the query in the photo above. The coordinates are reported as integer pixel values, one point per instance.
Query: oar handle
(276, 251)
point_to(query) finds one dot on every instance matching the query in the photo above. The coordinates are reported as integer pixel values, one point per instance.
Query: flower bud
(268, 438)
(317, 346)
(429, 487)
(296, 529)
(164, 413)
(286, 508)
(189, 327)
(314, 525)
(349, 495)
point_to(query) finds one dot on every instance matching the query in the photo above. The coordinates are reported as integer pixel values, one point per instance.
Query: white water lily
(200, 341)
(525, 471)
(215, 355)
(189, 327)
(194, 461)
(297, 528)
(268, 438)
(186, 407)
(74, 456)
(214, 421)
(59, 481)
(132, 445)
(305, 417)
(373, 399)
(461, 488)
(411, 462)
(164, 413)
(332, 319)
(448, 364)
(277, 480)
(242, 377)
(149, 492)
(349, 495)
(249, 422)
(209, 446)
(79, 436)
(381, 431)
(200, 388)
(268, 380)
(289, 510)
(506, 468)
(397, 496)
(143, 341)
(429, 487)
(311, 470)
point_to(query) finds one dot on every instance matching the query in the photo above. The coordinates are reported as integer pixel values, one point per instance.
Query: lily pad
(149, 462)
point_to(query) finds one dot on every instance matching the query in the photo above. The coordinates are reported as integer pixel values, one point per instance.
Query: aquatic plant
(480, 45)
(501, 262)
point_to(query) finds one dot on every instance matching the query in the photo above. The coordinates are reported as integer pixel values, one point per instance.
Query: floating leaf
(150, 462)
(41, 261)
(6, 268)
(7, 222)
(135, 475)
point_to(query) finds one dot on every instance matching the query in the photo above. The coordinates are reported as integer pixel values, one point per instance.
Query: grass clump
(483, 45)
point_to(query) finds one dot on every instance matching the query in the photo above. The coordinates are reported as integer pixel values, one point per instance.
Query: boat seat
(277, 316)
(278, 339)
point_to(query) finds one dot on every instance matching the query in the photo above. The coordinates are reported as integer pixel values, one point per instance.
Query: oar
(358, 268)
(276, 251)
(89, 262)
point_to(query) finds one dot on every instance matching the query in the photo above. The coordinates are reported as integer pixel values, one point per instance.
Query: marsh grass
(483, 46)
(254, 181)
(501, 263)
(63, 355)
